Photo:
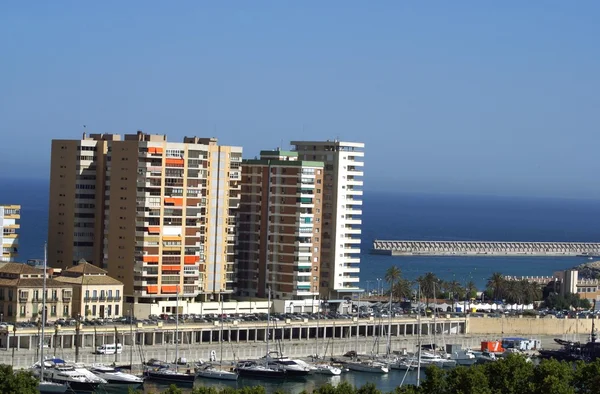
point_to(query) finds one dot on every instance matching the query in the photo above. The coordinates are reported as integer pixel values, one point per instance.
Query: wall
(528, 326)
(142, 311)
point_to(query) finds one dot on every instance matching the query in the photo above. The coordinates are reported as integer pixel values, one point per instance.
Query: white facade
(9, 242)
(342, 207)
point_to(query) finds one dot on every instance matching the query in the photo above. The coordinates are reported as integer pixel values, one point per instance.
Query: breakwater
(484, 248)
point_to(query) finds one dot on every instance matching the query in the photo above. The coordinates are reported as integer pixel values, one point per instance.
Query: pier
(484, 248)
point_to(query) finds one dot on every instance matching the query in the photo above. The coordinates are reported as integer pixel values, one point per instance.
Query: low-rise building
(95, 294)
(567, 282)
(9, 237)
(21, 289)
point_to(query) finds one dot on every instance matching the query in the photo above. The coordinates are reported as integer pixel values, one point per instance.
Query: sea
(395, 216)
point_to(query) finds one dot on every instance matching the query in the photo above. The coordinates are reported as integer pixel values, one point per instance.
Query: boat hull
(218, 375)
(170, 378)
(271, 374)
(367, 368)
(51, 387)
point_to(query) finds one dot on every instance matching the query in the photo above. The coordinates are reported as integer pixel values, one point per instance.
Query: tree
(471, 290)
(403, 289)
(468, 380)
(21, 382)
(586, 379)
(554, 377)
(496, 283)
(435, 382)
(429, 285)
(393, 275)
(510, 375)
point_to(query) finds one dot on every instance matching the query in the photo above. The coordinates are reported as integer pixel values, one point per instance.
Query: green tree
(497, 284)
(430, 284)
(463, 380)
(403, 289)
(21, 382)
(471, 290)
(173, 389)
(393, 275)
(553, 377)
(586, 379)
(510, 375)
(435, 381)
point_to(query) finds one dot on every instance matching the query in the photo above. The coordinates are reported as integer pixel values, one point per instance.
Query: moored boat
(209, 371)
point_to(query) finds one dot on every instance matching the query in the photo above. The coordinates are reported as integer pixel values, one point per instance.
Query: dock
(485, 248)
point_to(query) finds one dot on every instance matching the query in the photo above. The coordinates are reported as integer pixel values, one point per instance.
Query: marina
(485, 248)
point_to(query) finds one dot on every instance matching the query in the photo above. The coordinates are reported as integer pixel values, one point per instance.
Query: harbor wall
(524, 326)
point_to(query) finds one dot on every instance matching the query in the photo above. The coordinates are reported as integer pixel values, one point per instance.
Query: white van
(109, 348)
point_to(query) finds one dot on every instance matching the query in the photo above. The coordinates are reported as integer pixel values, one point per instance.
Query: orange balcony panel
(151, 150)
(171, 268)
(174, 161)
(154, 230)
(152, 289)
(150, 259)
(171, 237)
(169, 289)
(175, 201)
(158, 150)
(191, 259)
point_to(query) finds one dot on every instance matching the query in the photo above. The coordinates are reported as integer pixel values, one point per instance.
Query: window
(118, 293)
(109, 310)
(55, 294)
(87, 294)
(53, 310)
(66, 310)
(94, 310)
(116, 310)
(101, 294)
(95, 295)
(22, 311)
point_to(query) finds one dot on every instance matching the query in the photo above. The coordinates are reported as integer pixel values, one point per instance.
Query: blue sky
(450, 97)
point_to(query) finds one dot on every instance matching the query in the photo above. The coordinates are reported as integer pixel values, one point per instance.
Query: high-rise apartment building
(279, 226)
(342, 210)
(9, 238)
(163, 215)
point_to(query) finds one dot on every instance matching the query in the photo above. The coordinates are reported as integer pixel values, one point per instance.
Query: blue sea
(408, 216)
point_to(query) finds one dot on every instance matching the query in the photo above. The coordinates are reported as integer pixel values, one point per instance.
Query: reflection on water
(385, 382)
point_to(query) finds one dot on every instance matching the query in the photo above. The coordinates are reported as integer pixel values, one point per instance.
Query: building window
(94, 296)
(117, 310)
(87, 294)
(53, 310)
(109, 310)
(66, 310)
(94, 310)
(22, 311)
(118, 293)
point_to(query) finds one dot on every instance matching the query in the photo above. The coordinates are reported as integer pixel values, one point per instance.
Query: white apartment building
(9, 241)
(342, 210)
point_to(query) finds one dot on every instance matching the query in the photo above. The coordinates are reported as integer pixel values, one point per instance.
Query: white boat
(428, 358)
(51, 387)
(291, 367)
(463, 357)
(66, 375)
(404, 364)
(115, 376)
(368, 366)
(210, 372)
(326, 369)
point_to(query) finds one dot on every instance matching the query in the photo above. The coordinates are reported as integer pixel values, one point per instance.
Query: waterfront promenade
(484, 248)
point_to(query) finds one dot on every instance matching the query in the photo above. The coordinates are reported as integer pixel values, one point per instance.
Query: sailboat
(209, 371)
(324, 368)
(46, 386)
(166, 373)
(262, 368)
(371, 366)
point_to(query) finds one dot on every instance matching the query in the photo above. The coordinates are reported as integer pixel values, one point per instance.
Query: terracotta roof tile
(19, 268)
(85, 268)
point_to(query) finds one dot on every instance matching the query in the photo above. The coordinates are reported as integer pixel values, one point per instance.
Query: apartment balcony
(355, 173)
(358, 163)
(351, 260)
(352, 201)
(350, 192)
(350, 279)
(354, 182)
(350, 270)
(353, 221)
(354, 231)
(348, 242)
(354, 211)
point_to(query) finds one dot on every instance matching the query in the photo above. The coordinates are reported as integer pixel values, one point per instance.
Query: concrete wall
(142, 311)
(529, 326)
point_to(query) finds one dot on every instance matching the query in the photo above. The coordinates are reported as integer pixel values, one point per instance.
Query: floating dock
(485, 248)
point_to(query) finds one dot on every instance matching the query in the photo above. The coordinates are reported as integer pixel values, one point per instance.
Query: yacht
(291, 367)
(430, 358)
(115, 376)
(209, 371)
(166, 374)
(57, 371)
(253, 369)
(463, 357)
(326, 369)
(404, 364)
(368, 366)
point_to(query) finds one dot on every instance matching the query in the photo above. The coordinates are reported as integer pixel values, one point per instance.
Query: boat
(430, 358)
(115, 376)
(57, 371)
(169, 373)
(252, 369)
(47, 386)
(291, 367)
(404, 364)
(327, 369)
(463, 357)
(209, 371)
(368, 366)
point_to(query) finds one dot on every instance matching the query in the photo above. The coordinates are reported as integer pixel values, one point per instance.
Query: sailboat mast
(221, 334)
(318, 320)
(419, 336)
(434, 319)
(389, 338)
(268, 319)
(177, 329)
(357, 319)
(43, 312)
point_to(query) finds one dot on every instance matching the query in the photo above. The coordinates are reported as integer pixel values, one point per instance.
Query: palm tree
(497, 284)
(403, 289)
(392, 275)
(469, 289)
(428, 283)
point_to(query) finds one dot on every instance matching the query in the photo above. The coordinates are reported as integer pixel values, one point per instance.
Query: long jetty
(484, 248)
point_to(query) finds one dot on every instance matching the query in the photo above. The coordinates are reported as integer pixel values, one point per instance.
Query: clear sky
(449, 96)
